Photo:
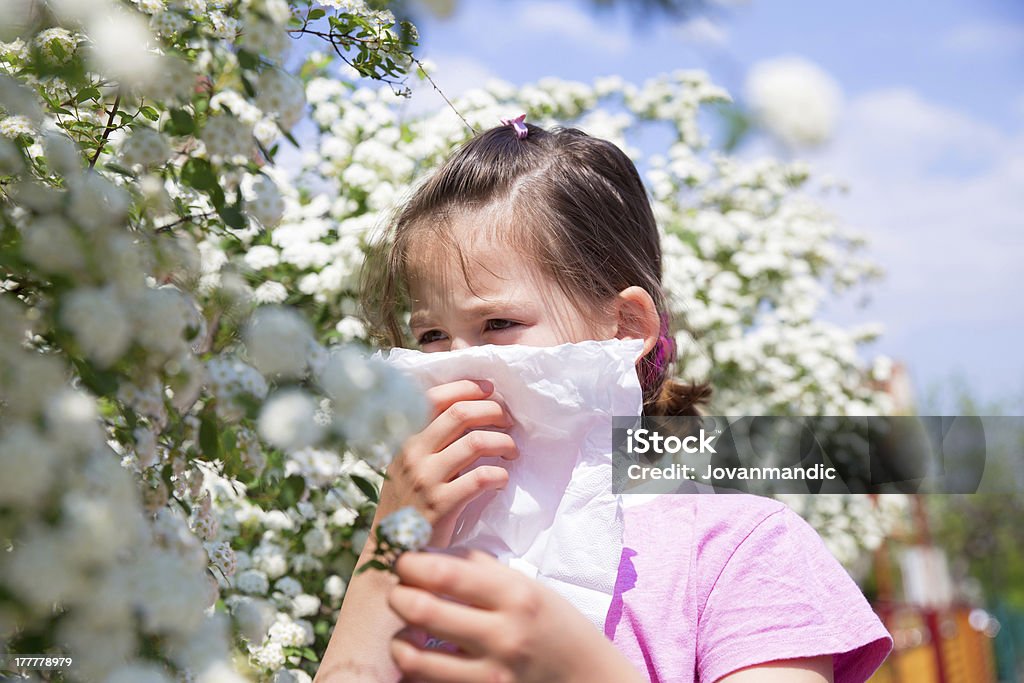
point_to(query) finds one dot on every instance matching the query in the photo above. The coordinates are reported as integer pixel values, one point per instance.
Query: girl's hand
(508, 627)
(424, 473)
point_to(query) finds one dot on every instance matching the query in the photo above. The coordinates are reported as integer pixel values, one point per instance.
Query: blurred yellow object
(965, 652)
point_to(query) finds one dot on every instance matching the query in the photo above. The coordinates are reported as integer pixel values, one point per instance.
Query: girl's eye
(427, 337)
(500, 324)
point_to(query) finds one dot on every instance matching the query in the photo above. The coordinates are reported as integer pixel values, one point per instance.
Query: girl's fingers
(431, 666)
(473, 578)
(458, 624)
(443, 396)
(461, 491)
(459, 418)
(479, 443)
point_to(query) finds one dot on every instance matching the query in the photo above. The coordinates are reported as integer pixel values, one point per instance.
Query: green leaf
(292, 489)
(232, 216)
(88, 94)
(101, 383)
(120, 170)
(208, 441)
(248, 87)
(150, 113)
(364, 485)
(248, 60)
(198, 173)
(372, 564)
(307, 653)
(317, 13)
(181, 123)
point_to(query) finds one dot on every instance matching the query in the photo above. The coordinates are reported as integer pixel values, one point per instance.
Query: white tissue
(557, 520)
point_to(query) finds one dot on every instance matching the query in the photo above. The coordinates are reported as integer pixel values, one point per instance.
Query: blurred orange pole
(931, 615)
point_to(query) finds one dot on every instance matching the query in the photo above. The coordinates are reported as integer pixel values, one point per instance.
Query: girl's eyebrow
(422, 318)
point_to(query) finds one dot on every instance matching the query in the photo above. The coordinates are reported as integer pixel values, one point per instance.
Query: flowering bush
(192, 434)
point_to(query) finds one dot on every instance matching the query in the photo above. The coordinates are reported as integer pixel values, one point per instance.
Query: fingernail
(485, 385)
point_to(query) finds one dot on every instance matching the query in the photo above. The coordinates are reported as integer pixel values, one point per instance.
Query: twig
(423, 71)
(185, 219)
(106, 131)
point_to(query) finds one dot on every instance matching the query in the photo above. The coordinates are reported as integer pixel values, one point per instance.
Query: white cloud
(986, 37)
(703, 31)
(572, 23)
(454, 75)
(938, 193)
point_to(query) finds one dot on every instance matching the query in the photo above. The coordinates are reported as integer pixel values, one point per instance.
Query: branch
(106, 131)
(423, 71)
(185, 219)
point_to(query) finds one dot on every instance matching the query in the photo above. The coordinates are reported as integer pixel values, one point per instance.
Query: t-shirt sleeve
(782, 595)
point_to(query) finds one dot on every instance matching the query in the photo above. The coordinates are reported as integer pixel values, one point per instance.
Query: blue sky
(931, 140)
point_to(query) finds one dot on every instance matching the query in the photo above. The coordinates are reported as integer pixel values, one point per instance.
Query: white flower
(62, 153)
(317, 542)
(227, 137)
(794, 99)
(286, 632)
(161, 317)
(27, 466)
(288, 586)
(13, 126)
(174, 82)
(223, 557)
(140, 673)
(51, 244)
(319, 467)
(72, 420)
(270, 292)
(253, 616)
(145, 446)
(98, 322)
(57, 45)
(351, 328)
(230, 379)
(335, 586)
(270, 656)
(270, 559)
(276, 340)
(292, 676)
(145, 147)
(39, 570)
(305, 605)
(252, 581)
(266, 204)
(406, 528)
(278, 520)
(280, 95)
(120, 40)
(96, 203)
(151, 6)
(262, 256)
(167, 24)
(264, 37)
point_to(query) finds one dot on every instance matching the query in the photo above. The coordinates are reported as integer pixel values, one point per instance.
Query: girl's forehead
(467, 249)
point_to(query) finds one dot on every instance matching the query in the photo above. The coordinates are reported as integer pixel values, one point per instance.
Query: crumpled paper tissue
(557, 520)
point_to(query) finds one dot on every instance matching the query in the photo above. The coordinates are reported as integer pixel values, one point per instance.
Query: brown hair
(574, 205)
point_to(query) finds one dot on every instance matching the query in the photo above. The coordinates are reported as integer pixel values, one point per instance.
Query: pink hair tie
(518, 125)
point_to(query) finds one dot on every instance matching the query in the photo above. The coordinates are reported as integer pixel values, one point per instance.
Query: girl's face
(505, 301)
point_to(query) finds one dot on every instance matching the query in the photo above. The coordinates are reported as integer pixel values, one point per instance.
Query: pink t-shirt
(711, 583)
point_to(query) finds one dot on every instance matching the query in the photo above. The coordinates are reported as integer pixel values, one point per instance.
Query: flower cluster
(402, 530)
(194, 432)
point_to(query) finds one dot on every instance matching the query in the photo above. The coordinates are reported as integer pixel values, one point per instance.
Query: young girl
(532, 237)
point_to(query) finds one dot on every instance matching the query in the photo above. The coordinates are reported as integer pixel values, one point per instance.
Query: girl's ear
(638, 317)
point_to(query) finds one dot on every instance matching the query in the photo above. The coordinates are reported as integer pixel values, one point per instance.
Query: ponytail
(677, 398)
